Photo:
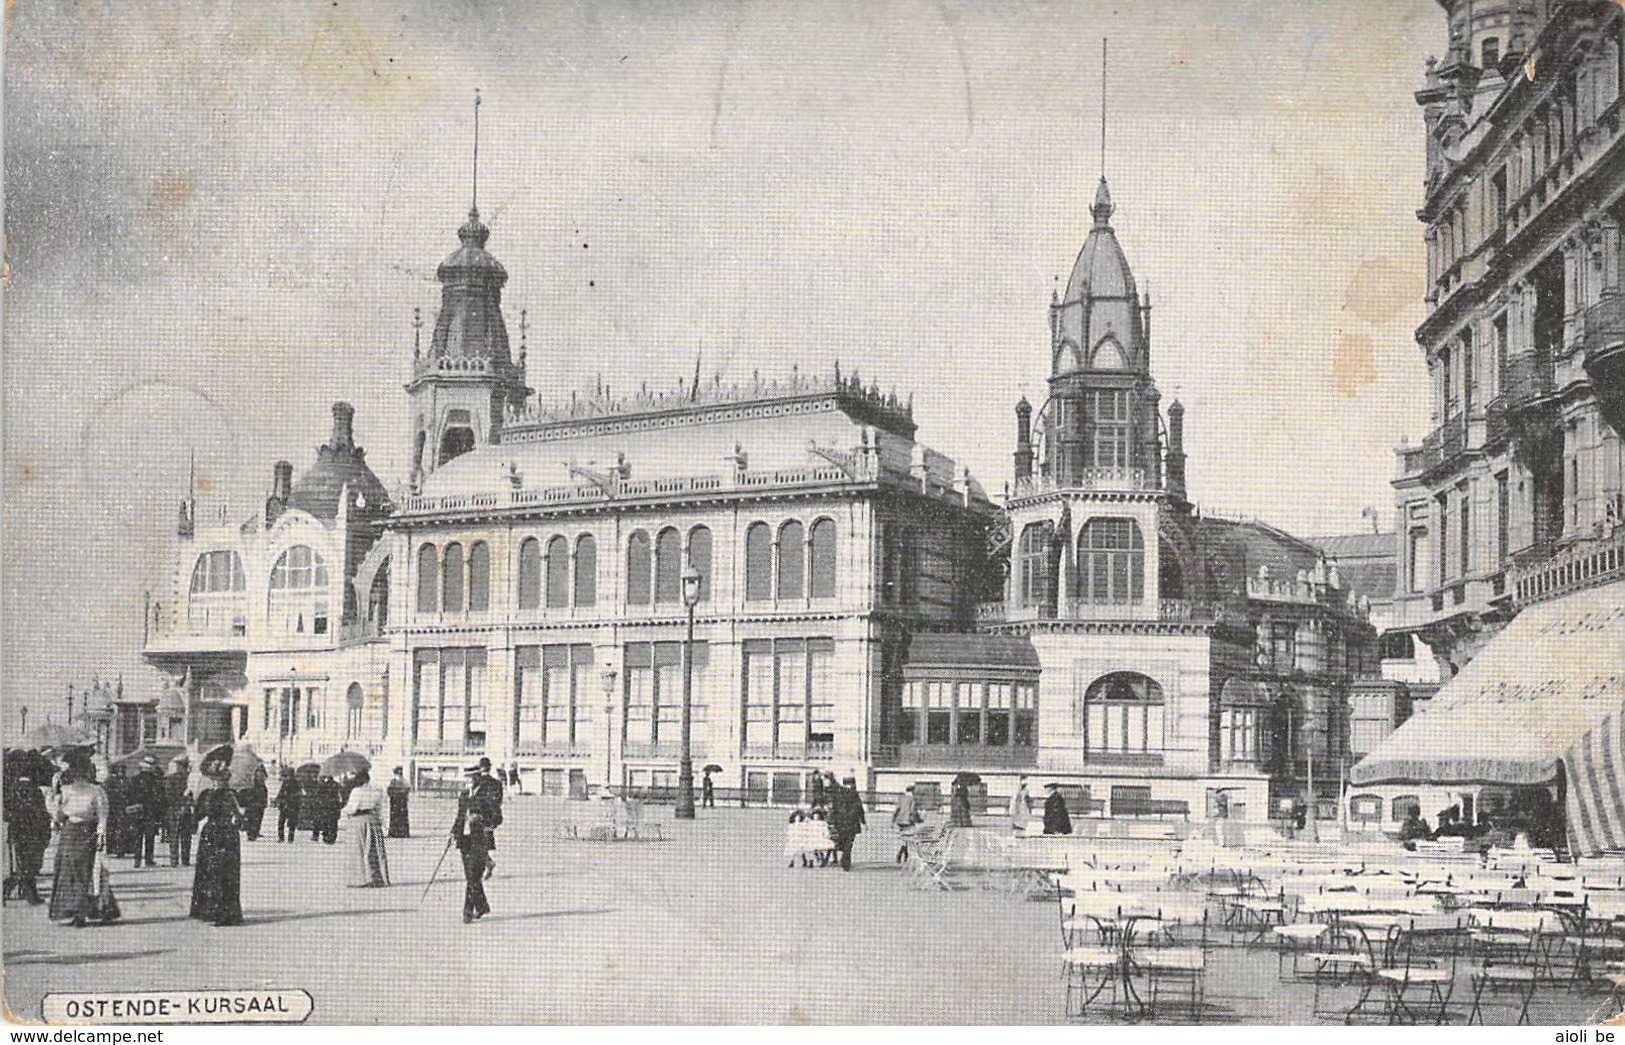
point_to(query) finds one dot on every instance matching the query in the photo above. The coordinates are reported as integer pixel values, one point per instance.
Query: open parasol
(245, 765)
(345, 763)
(712, 768)
(52, 737)
(162, 754)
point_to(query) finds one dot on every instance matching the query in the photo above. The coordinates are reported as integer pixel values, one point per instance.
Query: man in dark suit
(288, 793)
(846, 819)
(179, 822)
(144, 806)
(489, 789)
(479, 809)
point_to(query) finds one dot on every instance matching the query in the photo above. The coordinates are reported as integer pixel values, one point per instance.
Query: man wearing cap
(144, 806)
(478, 810)
(845, 819)
(179, 822)
(489, 788)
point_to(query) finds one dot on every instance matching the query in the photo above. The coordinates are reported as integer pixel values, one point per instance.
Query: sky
(220, 216)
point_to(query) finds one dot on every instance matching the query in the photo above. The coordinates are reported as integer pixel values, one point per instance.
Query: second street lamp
(607, 673)
(685, 768)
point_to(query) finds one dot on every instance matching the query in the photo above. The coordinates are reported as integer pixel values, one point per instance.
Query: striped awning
(1595, 770)
(1553, 673)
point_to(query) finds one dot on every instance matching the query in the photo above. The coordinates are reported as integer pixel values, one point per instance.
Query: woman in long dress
(400, 824)
(82, 818)
(1020, 808)
(365, 810)
(218, 881)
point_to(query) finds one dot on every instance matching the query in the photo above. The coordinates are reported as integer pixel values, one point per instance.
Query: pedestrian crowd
(95, 819)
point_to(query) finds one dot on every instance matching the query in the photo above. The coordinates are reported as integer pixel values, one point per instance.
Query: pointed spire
(1103, 207)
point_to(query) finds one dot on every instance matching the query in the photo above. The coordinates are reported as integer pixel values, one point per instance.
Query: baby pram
(809, 840)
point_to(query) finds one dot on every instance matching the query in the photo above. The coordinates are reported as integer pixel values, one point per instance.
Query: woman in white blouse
(81, 817)
(365, 809)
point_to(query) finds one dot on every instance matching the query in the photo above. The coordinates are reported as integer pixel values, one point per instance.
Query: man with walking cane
(479, 810)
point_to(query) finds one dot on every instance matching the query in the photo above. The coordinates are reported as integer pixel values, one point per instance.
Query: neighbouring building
(1514, 501)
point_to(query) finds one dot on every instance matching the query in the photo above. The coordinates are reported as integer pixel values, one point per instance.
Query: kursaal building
(863, 605)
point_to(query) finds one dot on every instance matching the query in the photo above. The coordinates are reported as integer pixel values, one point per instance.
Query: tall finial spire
(474, 202)
(1103, 108)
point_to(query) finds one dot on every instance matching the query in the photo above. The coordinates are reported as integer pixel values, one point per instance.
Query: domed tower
(462, 386)
(466, 382)
(1103, 404)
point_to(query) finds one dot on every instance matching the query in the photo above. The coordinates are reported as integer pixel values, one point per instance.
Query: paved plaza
(707, 926)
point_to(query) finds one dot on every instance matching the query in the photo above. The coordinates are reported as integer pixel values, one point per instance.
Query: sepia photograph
(726, 513)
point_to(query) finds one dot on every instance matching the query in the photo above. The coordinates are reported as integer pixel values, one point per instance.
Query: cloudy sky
(221, 215)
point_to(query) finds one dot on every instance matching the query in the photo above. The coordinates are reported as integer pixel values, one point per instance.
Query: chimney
(1024, 439)
(1176, 450)
(282, 481)
(343, 439)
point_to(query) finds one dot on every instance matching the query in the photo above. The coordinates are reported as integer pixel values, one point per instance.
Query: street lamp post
(685, 768)
(607, 672)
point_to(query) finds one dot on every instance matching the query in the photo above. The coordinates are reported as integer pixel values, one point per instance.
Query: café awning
(1510, 715)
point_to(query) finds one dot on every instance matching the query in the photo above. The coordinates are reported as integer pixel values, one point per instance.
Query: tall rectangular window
(529, 696)
(1498, 361)
(667, 694)
(637, 727)
(1109, 428)
(1464, 528)
(1503, 525)
(426, 696)
(910, 725)
(821, 690)
(556, 694)
(791, 711)
(968, 712)
(453, 695)
(757, 696)
(1025, 697)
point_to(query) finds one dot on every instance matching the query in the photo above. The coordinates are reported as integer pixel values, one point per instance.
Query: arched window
(479, 577)
(637, 569)
(1111, 561)
(668, 566)
(1109, 355)
(822, 558)
(354, 701)
(378, 598)
(451, 579)
(792, 561)
(699, 556)
(297, 569)
(1032, 579)
(758, 562)
(428, 579)
(1124, 716)
(217, 572)
(558, 573)
(586, 570)
(530, 573)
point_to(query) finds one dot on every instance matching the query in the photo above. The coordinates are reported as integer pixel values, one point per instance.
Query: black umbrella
(32, 764)
(968, 779)
(712, 768)
(345, 763)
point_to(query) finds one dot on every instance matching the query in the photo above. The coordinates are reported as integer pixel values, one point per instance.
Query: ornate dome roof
(338, 463)
(470, 324)
(1101, 269)
(1099, 320)
(472, 259)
